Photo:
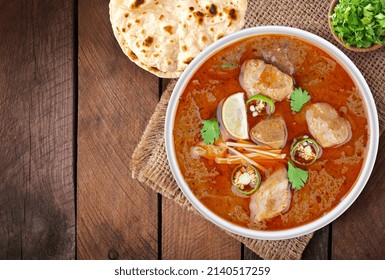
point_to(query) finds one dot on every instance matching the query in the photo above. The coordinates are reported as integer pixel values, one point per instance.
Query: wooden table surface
(72, 109)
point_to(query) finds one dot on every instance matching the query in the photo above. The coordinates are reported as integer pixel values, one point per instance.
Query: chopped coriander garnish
(297, 176)
(210, 131)
(299, 98)
(359, 23)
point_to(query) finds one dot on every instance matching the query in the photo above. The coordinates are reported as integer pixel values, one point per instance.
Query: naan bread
(163, 37)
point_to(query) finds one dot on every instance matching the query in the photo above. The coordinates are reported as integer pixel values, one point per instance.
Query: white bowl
(368, 103)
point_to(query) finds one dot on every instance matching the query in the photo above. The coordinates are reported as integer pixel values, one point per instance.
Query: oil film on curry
(270, 133)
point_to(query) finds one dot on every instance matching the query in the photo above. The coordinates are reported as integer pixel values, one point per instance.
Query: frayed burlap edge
(149, 165)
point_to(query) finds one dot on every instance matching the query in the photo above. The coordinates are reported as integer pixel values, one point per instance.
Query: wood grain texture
(186, 235)
(249, 254)
(117, 217)
(319, 246)
(37, 209)
(360, 232)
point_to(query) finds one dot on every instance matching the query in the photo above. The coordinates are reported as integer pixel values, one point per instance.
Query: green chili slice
(305, 151)
(245, 179)
(227, 66)
(267, 100)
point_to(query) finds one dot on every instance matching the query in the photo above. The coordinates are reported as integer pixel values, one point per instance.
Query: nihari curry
(270, 133)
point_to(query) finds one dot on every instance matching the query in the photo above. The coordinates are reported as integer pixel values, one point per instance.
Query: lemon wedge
(234, 116)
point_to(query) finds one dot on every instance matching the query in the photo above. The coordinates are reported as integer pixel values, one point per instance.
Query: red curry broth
(330, 177)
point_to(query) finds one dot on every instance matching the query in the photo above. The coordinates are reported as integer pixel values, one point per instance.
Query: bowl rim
(360, 83)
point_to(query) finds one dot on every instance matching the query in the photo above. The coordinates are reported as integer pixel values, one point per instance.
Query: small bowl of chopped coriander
(358, 25)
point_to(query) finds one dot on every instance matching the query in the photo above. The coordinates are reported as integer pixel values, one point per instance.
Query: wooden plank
(37, 215)
(360, 232)
(319, 246)
(117, 217)
(186, 235)
(249, 254)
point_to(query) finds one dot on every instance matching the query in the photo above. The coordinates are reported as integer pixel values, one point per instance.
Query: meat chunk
(326, 126)
(271, 132)
(208, 151)
(258, 77)
(272, 198)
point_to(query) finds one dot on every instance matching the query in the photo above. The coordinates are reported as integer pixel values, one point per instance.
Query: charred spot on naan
(155, 69)
(132, 55)
(233, 14)
(136, 4)
(169, 29)
(199, 16)
(148, 41)
(188, 60)
(213, 9)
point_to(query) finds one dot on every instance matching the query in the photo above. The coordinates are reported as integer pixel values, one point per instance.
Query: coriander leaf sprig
(298, 98)
(210, 131)
(297, 176)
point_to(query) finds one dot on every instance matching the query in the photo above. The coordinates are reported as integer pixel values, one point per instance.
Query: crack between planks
(160, 91)
(29, 175)
(159, 226)
(28, 185)
(75, 117)
(330, 242)
(160, 88)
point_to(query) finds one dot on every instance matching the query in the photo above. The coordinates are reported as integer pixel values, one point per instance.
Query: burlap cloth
(149, 162)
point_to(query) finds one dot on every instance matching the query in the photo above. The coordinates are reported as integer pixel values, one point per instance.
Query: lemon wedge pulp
(234, 116)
